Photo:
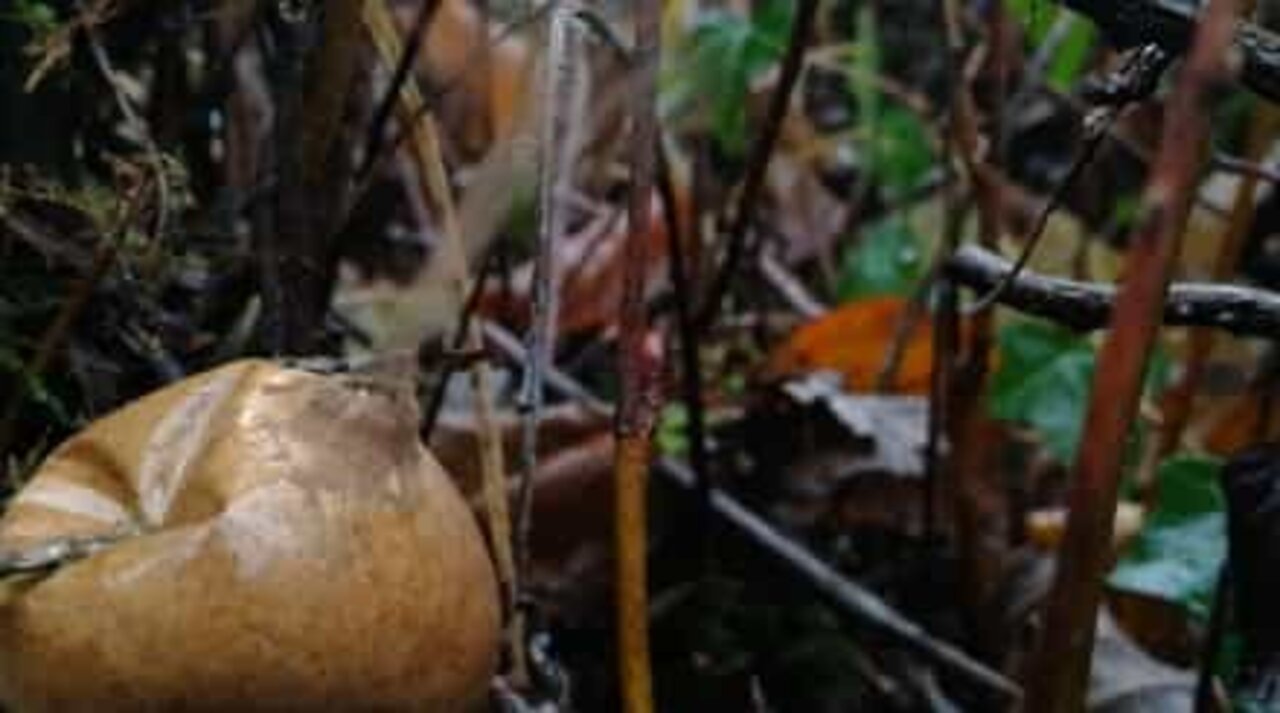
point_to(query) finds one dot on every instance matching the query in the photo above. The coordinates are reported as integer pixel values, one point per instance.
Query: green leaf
(1072, 56)
(672, 432)
(1036, 17)
(37, 16)
(1043, 381)
(889, 261)
(712, 73)
(1180, 550)
(901, 155)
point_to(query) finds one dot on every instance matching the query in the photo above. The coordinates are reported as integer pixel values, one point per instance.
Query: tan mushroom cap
(296, 549)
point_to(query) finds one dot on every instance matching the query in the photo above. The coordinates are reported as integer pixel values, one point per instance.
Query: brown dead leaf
(589, 264)
(1233, 426)
(293, 547)
(493, 82)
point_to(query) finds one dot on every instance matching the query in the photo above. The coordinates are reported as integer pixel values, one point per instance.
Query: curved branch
(1240, 310)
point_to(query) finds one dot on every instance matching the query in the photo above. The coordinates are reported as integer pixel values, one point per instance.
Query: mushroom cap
(291, 546)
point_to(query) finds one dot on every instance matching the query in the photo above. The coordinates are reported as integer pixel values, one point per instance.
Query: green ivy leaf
(888, 261)
(1180, 550)
(1071, 57)
(723, 54)
(1043, 381)
(901, 153)
(672, 432)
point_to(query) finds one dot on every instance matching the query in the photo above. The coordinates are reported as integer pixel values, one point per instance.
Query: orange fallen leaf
(854, 340)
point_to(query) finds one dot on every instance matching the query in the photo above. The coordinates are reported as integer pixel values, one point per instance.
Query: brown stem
(638, 361)
(691, 386)
(1061, 668)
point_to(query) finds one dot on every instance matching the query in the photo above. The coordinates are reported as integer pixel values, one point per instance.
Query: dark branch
(1171, 24)
(1243, 311)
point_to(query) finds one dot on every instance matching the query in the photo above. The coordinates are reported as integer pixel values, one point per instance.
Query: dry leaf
(589, 268)
(295, 548)
(854, 340)
(493, 81)
(896, 425)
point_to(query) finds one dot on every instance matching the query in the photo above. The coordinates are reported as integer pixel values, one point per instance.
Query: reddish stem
(1061, 670)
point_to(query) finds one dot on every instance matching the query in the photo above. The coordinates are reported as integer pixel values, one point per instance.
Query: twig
(789, 288)
(1244, 167)
(102, 61)
(691, 386)
(945, 316)
(291, 282)
(1061, 668)
(1132, 82)
(758, 161)
(638, 365)
(855, 601)
(555, 171)
(378, 125)
(1086, 306)
(431, 413)
(55, 334)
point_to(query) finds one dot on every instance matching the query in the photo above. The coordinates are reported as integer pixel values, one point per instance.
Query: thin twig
(378, 125)
(691, 386)
(102, 61)
(555, 173)
(1244, 167)
(458, 343)
(758, 162)
(1206, 700)
(1133, 81)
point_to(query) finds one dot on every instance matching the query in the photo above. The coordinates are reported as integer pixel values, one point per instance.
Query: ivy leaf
(901, 154)
(672, 432)
(724, 53)
(1178, 554)
(1071, 57)
(889, 261)
(1043, 381)
(1045, 378)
